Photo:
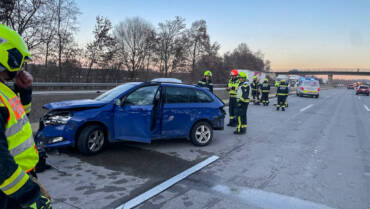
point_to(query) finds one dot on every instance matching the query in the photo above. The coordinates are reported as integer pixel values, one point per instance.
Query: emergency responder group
(239, 88)
(18, 154)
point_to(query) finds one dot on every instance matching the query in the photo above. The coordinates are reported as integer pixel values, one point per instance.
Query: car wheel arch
(90, 123)
(197, 121)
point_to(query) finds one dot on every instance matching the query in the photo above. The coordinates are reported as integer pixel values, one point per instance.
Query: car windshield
(310, 83)
(115, 92)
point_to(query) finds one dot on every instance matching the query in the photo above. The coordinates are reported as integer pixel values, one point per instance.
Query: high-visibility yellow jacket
(233, 84)
(20, 143)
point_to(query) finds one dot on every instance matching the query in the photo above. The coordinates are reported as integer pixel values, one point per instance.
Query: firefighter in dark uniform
(282, 94)
(232, 88)
(255, 85)
(265, 89)
(206, 82)
(243, 101)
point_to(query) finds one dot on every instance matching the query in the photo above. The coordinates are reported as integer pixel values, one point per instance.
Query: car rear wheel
(91, 140)
(201, 134)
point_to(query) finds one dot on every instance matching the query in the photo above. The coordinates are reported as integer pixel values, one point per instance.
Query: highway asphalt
(316, 154)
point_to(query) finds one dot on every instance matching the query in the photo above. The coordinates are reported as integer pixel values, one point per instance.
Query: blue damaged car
(134, 111)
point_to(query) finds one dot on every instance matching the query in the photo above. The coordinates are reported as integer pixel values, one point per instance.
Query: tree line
(134, 45)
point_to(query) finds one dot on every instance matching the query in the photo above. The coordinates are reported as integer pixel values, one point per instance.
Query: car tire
(301, 95)
(201, 134)
(91, 140)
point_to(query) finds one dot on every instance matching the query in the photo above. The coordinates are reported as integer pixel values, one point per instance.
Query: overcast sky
(292, 34)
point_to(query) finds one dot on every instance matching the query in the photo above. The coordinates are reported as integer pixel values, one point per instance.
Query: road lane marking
(305, 108)
(267, 200)
(367, 108)
(168, 183)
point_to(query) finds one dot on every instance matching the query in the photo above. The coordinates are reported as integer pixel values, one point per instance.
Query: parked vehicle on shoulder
(309, 88)
(350, 86)
(135, 111)
(363, 89)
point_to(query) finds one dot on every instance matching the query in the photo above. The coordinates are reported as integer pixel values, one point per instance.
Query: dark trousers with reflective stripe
(281, 101)
(255, 96)
(242, 115)
(232, 109)
(265, 97)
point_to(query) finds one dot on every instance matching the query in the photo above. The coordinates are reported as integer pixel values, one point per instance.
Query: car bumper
(218, 123)
(362, 92)
(310, 92)
(53, 137)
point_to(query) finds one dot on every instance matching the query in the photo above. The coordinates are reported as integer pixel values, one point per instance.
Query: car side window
(142, 96)
(179, 95)
(202, 96)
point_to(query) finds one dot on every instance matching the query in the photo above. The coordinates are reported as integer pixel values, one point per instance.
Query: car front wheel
(91, 140)
(201, 134)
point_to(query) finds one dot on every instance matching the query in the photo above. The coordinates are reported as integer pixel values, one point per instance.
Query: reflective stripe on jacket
(18, 131)
(243, 93)
(234, 84)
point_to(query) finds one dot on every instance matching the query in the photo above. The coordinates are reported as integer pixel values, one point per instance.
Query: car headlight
(60, 118)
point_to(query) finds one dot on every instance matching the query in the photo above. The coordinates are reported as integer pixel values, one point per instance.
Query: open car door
(133, 120)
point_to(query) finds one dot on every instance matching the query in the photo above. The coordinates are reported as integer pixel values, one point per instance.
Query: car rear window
(310, 83)
(186, 95)
(364, 87)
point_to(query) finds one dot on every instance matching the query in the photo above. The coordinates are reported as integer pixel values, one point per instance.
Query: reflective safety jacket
(255, 85)
(265, 87)
(206, 84)
(233, 84)
(243, 92)
(21, 154)
(283, 90)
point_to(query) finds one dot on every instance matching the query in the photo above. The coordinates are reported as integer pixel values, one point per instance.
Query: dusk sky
(292, 34)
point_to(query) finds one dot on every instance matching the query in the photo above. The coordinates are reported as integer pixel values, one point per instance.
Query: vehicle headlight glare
(57, 120)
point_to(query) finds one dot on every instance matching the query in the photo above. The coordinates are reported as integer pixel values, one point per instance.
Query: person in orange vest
(18, 153)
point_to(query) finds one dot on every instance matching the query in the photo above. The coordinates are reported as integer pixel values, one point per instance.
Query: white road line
(165, 185)
(367, 108)
(267, 200)
(305, 108)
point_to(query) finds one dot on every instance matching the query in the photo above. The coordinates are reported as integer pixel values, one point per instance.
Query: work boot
(283, 108)
(243, 131)
(237, 132)
(277, 108)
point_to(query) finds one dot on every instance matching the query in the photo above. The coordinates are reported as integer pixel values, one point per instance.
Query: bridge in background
(329, 73)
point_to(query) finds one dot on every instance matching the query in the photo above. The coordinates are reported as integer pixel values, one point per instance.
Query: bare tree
(199, 41)
(168, 36)
(66, 22)
(6, 9)
(97, 48)
(132, 36)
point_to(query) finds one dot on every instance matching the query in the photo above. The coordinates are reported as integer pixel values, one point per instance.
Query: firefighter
(282, 94)
(265, 89)
(255, 91)
(18, 154)
(232, 88)
(206, 82)
(242, 101)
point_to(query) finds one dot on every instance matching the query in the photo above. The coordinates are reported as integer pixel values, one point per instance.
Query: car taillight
(318, 89)
(302, 88)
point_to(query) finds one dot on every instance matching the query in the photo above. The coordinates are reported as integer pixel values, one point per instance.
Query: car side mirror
(118, 102)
